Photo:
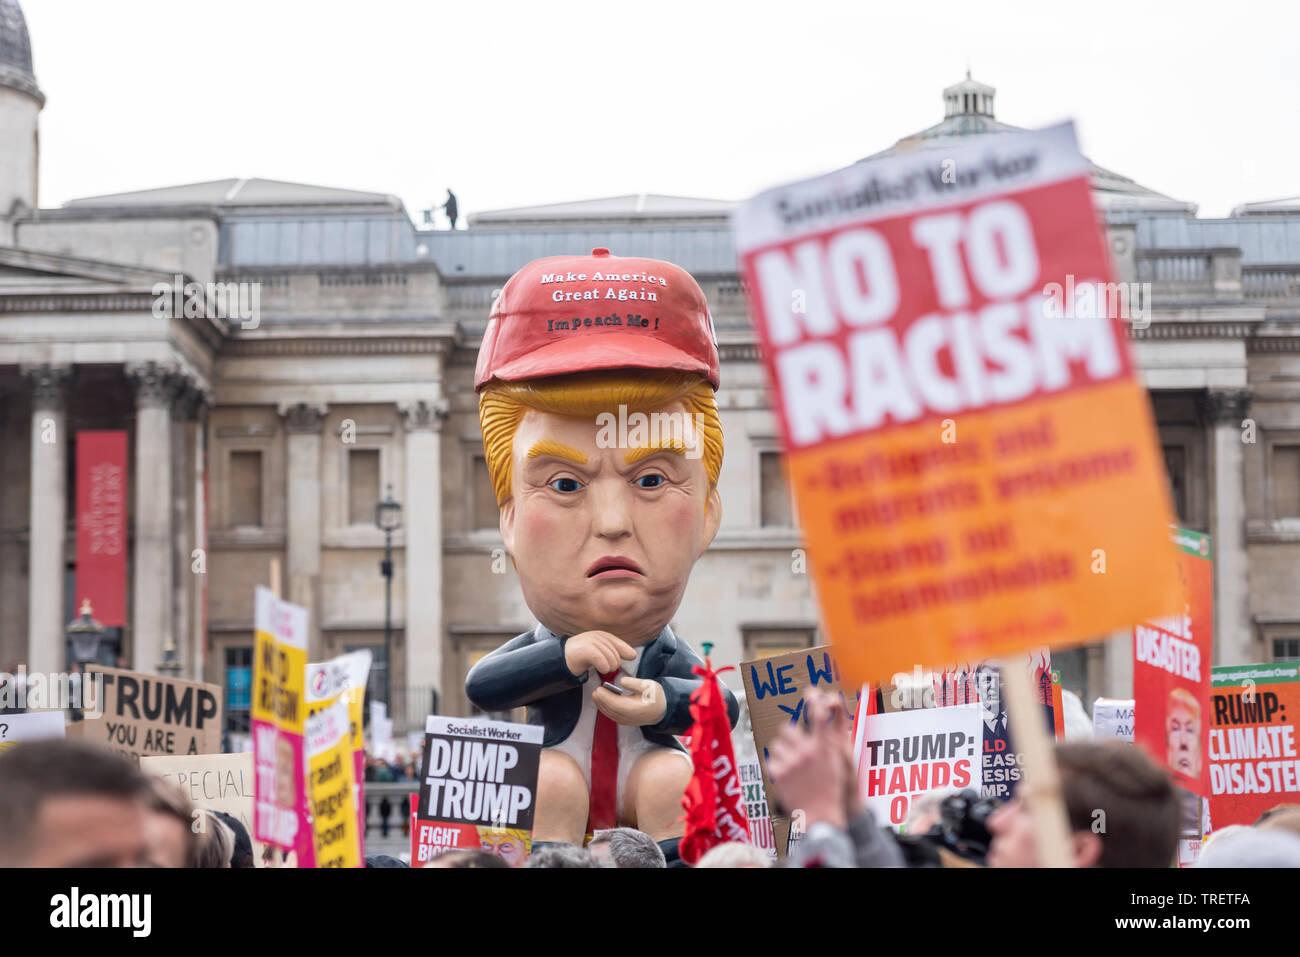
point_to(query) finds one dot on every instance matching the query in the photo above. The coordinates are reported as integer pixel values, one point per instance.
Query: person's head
(560, 855)
(1252, 847)
(467, 859)
(1122, 811)
(509, 844)
(1219, 834)
(215, 844)
(1183, 733)
(168, 825)
(626, 847)
(734, 854)
(70, 804)
(242, 855)
(1283, 817)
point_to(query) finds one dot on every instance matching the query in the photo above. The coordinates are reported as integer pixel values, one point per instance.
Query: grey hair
(735, 854)
(561, 855)
(629, 847)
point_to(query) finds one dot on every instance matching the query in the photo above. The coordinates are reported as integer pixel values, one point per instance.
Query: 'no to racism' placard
(973, 460)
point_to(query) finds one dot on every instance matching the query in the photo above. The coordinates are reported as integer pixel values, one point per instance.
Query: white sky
(526, 103)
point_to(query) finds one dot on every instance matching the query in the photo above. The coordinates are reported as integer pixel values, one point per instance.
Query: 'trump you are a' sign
(974, 464)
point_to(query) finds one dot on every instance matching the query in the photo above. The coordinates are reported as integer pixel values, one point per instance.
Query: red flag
(715, 810)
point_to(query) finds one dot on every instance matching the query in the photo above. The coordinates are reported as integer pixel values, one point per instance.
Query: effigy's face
(604, 537)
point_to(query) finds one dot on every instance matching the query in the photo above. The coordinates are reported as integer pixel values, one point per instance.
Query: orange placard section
(1041, 524)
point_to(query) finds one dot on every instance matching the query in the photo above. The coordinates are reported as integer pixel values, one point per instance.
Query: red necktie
(603, 812)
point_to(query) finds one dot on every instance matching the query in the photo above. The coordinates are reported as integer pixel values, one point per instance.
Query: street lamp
(85, 634)
(388, 518)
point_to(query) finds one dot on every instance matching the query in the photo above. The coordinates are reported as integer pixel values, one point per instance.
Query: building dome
(16, 50)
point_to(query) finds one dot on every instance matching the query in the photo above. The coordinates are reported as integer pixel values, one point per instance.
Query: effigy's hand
(647, 704)
(596, 649)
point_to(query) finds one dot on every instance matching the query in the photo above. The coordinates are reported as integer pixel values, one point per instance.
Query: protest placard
(32, 726)
(218, 782)
(331, 788)
(277, 712)
(903, 754)
(756, 808)
(972, 458)
(1252, 742)
(344, 678)
(1058, 706)
(142, 714)
(1171, 670)
(981, 682)
(1112, 718)
(775, 689)
(478, 784)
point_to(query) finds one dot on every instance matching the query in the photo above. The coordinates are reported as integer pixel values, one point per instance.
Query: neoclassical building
(270, 439)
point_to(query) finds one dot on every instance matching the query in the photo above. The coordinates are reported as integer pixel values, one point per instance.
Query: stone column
(423, 520)
(151, 605)
(49, 517)
(1223, 411)
(185, 412)
(302, 423)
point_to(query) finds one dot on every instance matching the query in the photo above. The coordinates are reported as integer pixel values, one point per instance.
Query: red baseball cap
(567, 314)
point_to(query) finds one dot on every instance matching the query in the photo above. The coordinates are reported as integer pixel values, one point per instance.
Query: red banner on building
(101, 525)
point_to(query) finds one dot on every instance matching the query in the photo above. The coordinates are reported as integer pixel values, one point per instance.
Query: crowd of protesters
(71, 804)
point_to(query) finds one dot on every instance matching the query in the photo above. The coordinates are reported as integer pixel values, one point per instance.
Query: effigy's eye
(566, 485)
(650, 481)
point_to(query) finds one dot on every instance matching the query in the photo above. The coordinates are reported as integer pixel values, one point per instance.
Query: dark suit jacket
(530, 670)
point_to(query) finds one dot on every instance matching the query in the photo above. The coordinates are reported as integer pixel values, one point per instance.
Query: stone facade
(272, 437)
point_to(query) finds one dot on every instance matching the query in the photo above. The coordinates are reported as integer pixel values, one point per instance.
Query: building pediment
(26, 271)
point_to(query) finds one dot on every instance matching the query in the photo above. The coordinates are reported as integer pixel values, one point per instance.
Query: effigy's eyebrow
(676, 446)
(557, 450)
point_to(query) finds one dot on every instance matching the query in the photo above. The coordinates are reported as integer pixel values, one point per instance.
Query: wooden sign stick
(275, 577)
(1041, 785)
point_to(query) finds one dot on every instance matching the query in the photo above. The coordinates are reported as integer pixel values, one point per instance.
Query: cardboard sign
(1171, 670)
(973, 460)
(33, 726)
(344, 679)
(902, 755)
(478, 785)
(1252, 743)
(218, 782)
(331, 788)
(277, 713)
(150, 715)
(774, 689)
(1112, 718)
